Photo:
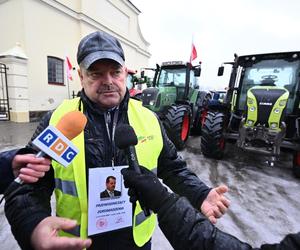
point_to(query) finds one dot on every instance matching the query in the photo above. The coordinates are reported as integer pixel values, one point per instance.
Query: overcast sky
(219, 29)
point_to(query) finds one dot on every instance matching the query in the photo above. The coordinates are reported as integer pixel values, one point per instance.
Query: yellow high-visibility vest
(70, 182)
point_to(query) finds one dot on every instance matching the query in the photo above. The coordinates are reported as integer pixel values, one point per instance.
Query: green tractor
(176, 99)
(261, 110)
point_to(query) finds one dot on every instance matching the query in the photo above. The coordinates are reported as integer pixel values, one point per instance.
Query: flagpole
(68, 88)
(69, 67)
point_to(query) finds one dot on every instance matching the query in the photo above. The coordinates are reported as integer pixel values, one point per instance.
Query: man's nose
(107, 78)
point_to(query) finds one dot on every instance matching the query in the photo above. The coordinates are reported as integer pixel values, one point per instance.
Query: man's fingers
(221, 189)
(39, 160)
(64, 243)
(40, 167)
(222, 208)
(31, 172)
(63, 223)
(30, 158)
(217, 212)
(28, 179)
(225, 201)
(212, 219)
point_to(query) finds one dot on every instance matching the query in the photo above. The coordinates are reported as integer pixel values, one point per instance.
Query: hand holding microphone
(126, 139)
(29, 168)
(52, 141)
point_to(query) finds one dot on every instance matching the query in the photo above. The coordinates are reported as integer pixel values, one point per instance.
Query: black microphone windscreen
(125, 136)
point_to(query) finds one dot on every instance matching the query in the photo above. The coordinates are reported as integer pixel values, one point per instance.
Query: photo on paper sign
(110, 187)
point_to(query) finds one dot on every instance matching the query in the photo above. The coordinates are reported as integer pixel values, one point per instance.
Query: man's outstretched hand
(215, 204)
(45, 235)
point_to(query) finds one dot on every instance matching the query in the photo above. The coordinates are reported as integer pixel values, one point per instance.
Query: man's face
(104, 83)
(111, 184)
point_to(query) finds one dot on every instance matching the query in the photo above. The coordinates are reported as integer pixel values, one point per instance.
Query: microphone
(125, 139)
(56, 141)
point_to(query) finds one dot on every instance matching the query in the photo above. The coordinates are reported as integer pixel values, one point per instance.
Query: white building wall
(54, 28)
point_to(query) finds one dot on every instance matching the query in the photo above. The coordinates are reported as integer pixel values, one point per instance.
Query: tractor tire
(296, 164)
(197, 126)
(201, 111)
(212, 139)
(177, 123)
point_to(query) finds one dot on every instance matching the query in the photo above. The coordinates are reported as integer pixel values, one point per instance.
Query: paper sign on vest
(52, 142)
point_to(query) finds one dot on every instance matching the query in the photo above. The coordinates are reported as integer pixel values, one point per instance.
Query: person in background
(105, 102)
(184, 227)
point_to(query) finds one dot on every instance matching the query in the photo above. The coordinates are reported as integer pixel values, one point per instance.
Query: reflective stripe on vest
(66, 187)
(140, 218)
(149, 146)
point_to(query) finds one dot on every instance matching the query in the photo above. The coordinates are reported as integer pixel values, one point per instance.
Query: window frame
(56, 60)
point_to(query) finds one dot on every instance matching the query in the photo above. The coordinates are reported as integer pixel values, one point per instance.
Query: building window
(55, 70)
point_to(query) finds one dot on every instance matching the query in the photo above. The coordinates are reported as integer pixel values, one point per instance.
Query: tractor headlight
(151, 103)
(252, 109)
(273, 125)
(250, 123)
(276, 111)
(282, 103)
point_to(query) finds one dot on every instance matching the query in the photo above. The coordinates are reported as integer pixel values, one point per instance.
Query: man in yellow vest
(105, 102)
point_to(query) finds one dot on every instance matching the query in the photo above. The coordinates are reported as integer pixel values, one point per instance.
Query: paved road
(264, 200)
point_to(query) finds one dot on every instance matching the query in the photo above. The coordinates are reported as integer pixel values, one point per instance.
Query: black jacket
(105, 194)
(190, 230)
(31, 203)
(6, 172)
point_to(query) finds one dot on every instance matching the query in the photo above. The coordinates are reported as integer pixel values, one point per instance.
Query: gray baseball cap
(99, 45)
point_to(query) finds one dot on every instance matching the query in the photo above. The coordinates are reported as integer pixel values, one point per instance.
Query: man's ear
(126, 70)
(80, 76)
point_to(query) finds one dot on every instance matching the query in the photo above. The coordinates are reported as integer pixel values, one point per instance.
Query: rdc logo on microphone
(52, 142)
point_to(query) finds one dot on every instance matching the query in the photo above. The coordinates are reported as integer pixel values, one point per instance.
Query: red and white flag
(69, 69)
(193, 53)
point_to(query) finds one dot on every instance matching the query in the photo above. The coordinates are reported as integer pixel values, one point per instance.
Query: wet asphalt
(265, 200)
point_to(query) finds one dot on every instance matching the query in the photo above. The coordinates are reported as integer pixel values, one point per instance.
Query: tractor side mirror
(197, 72)
(142, 74)
(221, 71)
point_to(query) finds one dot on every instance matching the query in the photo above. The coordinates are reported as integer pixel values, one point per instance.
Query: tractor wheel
(201, 105)
(296, 164)
(197, 126)
(177, 123)
(212, 139)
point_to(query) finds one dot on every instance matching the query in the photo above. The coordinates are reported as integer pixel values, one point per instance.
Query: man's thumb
(222, 189)
(65, 224)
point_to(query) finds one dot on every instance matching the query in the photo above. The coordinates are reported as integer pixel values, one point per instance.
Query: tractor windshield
(175, 77)
(279, 72)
